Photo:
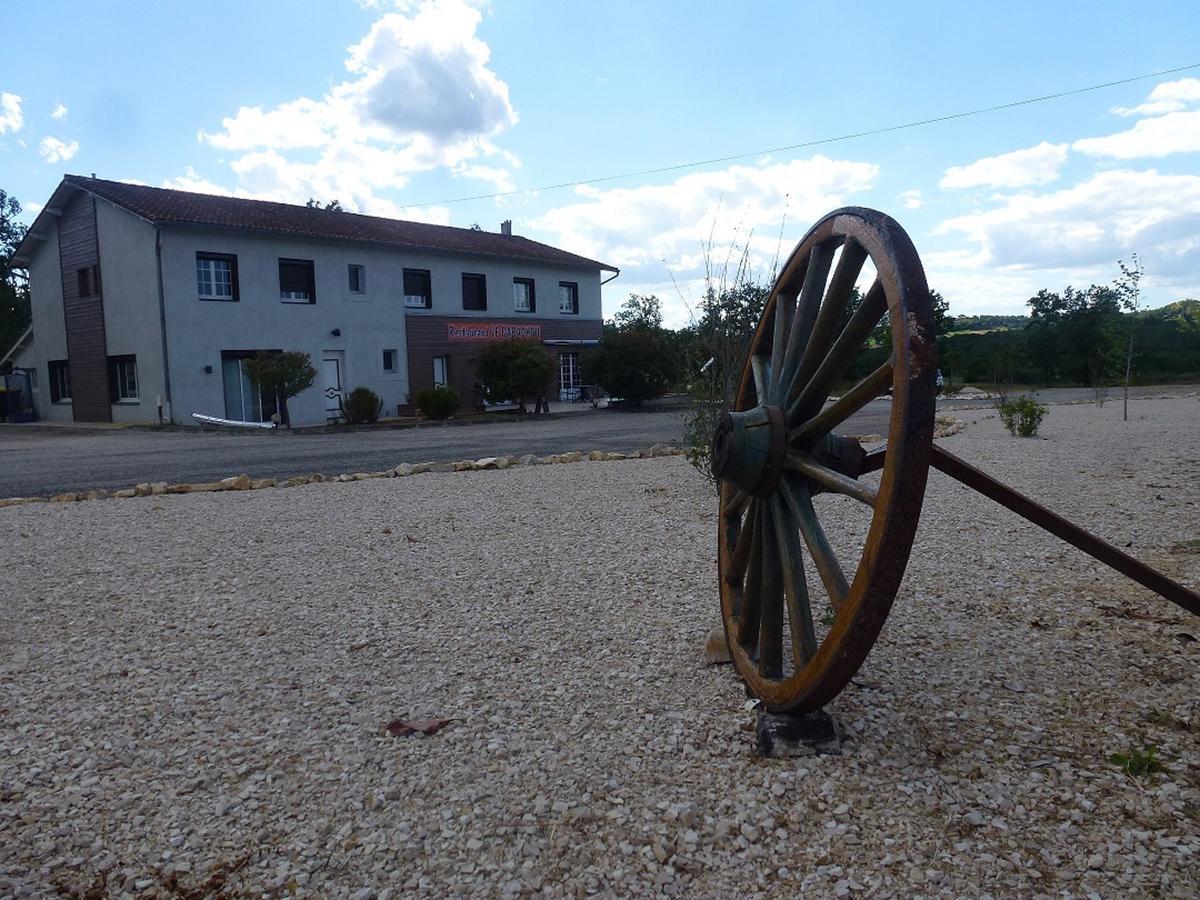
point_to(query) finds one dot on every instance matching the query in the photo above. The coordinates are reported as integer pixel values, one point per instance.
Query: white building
(146, 301)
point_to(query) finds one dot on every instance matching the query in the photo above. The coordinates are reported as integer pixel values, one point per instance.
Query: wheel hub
(749, 448)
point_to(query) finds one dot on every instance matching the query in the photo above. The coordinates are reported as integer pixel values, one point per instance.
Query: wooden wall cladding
(87, 348)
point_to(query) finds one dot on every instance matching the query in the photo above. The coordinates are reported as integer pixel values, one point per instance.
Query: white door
(331, 371)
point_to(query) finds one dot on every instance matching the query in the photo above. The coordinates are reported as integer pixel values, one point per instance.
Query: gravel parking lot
(195, 689)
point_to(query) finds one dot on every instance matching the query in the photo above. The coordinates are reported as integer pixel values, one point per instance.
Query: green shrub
(437, 402)
(1139, 763)
(1022, 416)
(362, 406)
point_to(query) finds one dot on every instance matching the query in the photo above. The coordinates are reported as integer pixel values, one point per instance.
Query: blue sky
(403, 109)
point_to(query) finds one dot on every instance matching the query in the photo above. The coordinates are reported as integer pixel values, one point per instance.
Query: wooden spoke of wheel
(768, 521)
(791, 562)
(805, 320)
(770, 617)
(850, 341)
(760, 378)
(844, 407)
(752, 596)
(736, 570)
(795, 494)
(829, 479)
(785, 310)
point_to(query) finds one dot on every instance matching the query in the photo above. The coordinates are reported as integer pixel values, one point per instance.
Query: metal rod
(956, 468)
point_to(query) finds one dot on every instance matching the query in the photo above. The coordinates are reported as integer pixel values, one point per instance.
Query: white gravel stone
(195, 689)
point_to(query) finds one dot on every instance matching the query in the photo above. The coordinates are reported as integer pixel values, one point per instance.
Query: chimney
(506, 227)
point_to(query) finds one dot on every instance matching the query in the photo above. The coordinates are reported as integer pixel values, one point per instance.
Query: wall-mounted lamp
(208, 370)
(337, 332)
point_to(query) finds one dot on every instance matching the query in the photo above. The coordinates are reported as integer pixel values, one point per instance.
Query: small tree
(1129, 289)
(633, 365)
(514, 370)
(282, 374)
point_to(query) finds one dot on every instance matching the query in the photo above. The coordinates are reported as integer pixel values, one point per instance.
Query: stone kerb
(244, 482)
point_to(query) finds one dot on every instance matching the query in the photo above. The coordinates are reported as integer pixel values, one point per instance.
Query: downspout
(616, 272)
(162, 323)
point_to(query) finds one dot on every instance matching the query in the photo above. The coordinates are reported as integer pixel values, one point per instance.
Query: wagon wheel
(779, 449)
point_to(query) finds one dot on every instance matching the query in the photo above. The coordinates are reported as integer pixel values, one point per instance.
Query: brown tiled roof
(165, 207)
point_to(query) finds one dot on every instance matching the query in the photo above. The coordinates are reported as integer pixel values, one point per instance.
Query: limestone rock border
(244, 482)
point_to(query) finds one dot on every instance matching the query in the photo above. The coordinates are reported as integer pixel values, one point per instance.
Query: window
(417, 294)
(216, 276)
(122, 379)
(244, 402)
(297, 283)
(60, 381)
(441, 371)
(568, 375)
(389, 361)
(87, 280)
(358, 279)
(568, 298)
(474, 292)
(523, 296)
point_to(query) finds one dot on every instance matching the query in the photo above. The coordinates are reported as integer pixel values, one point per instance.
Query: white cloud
(1177, 132)
(1020, 168)
(1170, 124)
(1087, 227)
(692, 224)
(911, 199)
(59, 113)
(420, 96)
(11, 118)
(1168, 97)
(53, 150)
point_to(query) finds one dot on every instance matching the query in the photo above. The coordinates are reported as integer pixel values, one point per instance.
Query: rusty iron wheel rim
(766, 518)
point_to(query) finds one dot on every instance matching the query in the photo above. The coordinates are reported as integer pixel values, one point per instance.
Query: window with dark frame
(122, 379)
(568, 298)
(417, 290)
(60, 380)
(216, 276)
(87, 281)
(474, 291)
(389, 361)
(297, 281)
(358, 279)
(524, 299)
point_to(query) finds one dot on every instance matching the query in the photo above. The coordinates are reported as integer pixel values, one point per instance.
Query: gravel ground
(194, 690)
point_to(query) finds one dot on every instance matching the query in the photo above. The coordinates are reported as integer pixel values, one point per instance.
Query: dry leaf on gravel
(405, 727)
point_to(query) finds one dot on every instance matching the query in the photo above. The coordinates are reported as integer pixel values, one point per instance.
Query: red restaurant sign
(492, 331)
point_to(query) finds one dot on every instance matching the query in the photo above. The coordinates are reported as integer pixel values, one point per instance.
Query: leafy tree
(14, 286)
(635, 365)
(332, 205)
(639, 313)
(283, 374)
(1129, 289)
(514, 370)
(1077, 331)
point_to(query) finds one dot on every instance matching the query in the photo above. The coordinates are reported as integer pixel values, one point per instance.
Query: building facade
(147, 302)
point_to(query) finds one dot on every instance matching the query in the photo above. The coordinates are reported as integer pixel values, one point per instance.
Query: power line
(816, 143)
